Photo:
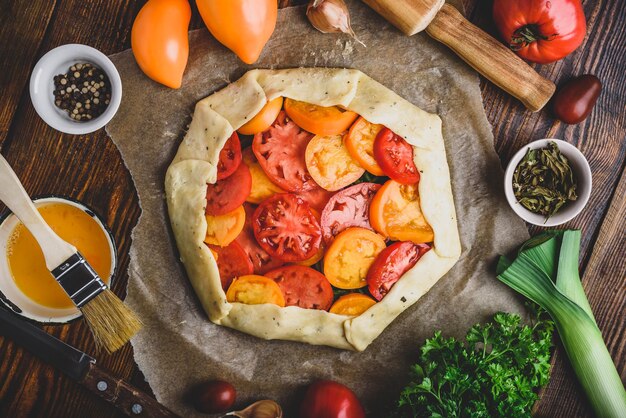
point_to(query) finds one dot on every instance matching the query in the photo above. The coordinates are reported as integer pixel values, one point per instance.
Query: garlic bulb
(330, 16)
(261, 409)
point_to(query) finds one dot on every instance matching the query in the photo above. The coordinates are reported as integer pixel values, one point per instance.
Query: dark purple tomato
(575, 99)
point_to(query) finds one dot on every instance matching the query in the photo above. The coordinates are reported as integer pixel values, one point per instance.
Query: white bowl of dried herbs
(548, 182)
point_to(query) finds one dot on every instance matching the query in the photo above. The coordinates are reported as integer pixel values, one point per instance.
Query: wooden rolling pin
(489, 57)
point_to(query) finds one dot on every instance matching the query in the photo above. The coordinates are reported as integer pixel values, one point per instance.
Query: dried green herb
(543, 181)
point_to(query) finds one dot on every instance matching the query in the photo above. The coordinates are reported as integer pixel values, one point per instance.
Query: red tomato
(391, 264)
(574, 101)
(304, 287)
(316, 198)
(230, 157)
(261, 260)
(285, 227)
(228, 194)
(347, 208)
(541, 31)
(232, 261)
(395, 157)
(213, 397)
(328, 399)
(280, 151)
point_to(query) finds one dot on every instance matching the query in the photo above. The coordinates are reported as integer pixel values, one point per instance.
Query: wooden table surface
(89, 168)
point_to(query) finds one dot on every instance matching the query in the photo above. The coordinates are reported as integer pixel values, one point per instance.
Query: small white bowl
(14, 298)
(57, 61)
(582, 174)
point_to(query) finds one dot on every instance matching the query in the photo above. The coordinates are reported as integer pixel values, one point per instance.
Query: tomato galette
(311, 204)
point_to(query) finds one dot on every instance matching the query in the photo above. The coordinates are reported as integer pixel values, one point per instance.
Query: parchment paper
(179, 346)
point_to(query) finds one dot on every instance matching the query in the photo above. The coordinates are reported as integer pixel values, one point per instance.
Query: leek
(546, 271)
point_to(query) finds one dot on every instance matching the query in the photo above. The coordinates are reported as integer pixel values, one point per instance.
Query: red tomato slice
(316, 198)
(262, 262)
(395, 156)
(230, 157)
(280, 151)
(285, 227)
(232, 261)
(391, 264)
(304, 287)
(348, 207)
(228, 194)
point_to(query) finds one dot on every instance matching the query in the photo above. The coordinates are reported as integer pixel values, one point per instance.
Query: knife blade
(81, 368)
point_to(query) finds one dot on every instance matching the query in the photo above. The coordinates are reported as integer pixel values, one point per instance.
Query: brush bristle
(111, 322)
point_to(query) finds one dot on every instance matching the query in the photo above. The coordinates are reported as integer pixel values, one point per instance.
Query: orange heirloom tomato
(255, 290)
(243, 26)
(223, 229)
(264, 119)
(352, 304)
(350, 256)
(262, 186)
(360, 144)
(330, 164)
(160, 42)
(395, 213)
(319, 120)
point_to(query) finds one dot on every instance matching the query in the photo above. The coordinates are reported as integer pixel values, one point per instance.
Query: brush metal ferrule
(79, 280)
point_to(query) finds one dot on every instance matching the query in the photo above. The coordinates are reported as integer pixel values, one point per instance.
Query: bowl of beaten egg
(26, 285)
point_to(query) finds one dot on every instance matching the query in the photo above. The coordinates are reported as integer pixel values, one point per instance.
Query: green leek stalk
(546, 271)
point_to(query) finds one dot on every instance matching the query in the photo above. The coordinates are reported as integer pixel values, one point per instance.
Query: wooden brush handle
(12, 194)
(490, 58)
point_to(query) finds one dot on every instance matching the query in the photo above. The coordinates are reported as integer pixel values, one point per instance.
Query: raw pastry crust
(214, 120)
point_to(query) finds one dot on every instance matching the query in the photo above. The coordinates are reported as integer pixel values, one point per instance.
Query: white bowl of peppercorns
(75, 89)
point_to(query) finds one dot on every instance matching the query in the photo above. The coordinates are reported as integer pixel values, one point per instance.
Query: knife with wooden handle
(489, 57)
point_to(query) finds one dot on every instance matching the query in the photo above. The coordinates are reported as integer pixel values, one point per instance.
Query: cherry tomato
(541, 31)
(317, 198)
(213, 397)
(285, 227)
(391, 264)
(575, 100)
(230, 157)
(223, 229)
(395, 157)
(260, 259)
(280, 152)
(160, 41)
(226, 195)
(350, 256)
(264, 119)
(360, 144)
(304, 287)
(319, 120)
(330, 163)
(352, 304)
(328, 399)
(395, 213)
(255, 290)
(232, 261)
(347, 208)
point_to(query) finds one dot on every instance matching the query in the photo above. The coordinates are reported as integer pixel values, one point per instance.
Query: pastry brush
(111, 322)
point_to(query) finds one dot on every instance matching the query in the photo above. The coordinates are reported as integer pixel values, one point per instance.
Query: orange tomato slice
(223, 229)
(319, 120)
(262, 186)
(352, 304)
(350, 256)
(395, 212)
(330, 164)
(255, 290)
(264, 119)
(360, 144)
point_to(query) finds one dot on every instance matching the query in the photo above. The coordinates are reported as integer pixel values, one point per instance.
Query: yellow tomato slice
(262, 186)
(255, 290)
(395, 212)
(223, 229)
(330, 164)
(350, 256)
(352, 304)
(264, 119)
(319, 120)
(360, 144)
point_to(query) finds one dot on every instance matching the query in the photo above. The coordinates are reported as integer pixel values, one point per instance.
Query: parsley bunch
(496, 372)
